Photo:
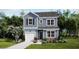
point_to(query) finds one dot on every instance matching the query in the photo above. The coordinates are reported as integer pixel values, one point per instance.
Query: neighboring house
(41, 25)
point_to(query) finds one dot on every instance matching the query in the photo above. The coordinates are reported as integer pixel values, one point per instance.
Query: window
(50, 33)
(30, 21)
(50, 22)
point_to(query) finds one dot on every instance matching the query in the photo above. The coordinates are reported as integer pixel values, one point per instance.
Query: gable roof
(47, 14)
(30, 13)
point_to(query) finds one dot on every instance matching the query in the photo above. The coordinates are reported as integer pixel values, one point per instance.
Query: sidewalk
(20, 45)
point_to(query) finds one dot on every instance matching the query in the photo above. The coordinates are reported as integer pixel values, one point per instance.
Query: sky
(10, 12)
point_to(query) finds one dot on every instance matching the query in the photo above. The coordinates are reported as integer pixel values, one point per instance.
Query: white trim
(50, 22)
(32, 13)
(35, 14)
(30, 27)
(28, 20)
(52, 29)
(50, 34)
(41, 21)
(50, 17)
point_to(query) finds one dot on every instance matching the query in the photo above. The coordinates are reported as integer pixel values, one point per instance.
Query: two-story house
(41, 25)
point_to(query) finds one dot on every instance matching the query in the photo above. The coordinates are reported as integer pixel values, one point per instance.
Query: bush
(49, 40)
(61, 38)
(22, 37)
(54, 41)
(43, 42)
(35, 39)
(62, 41)
(20, 40)
(8, 40)
(45, 39)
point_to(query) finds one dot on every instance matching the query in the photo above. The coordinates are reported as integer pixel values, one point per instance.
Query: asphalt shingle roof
(47, 14)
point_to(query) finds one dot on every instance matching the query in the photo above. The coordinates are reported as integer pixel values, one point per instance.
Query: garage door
(29, 36)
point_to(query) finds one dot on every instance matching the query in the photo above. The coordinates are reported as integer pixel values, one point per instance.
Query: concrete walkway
(21, 45)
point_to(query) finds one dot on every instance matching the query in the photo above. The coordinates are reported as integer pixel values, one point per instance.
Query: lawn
(72, 43)
(6, 43)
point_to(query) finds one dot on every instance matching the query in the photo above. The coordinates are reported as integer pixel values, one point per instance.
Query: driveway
(21, 45)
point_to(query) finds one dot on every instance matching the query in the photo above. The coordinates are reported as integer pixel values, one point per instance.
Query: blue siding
(44, 23)
(34, 20)
(40, 25)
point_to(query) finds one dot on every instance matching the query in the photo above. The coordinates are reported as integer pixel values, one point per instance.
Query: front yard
(72, 43)
(4, 43)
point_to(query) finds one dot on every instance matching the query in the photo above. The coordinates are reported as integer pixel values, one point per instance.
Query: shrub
(49, 40)
(62, 41)
(22, 37)
(35, 40)
(45, 39)
(8, 40)
(54, 41)
(61, 38)
(20, 40)
(43, 42)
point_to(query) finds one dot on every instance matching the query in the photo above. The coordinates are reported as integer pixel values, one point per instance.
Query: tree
(13, 20)
(61, 23)
(76, 18)
(63, 17)
(67, 22)
(71, 26)
(3, 27)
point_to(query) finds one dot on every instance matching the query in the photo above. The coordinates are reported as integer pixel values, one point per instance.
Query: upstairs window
(50, 22)
(30, 21)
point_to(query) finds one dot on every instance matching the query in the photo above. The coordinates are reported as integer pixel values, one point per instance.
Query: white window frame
(50, 34)
(47, 22)
(28, 20)
(53, 33)
(50, 22)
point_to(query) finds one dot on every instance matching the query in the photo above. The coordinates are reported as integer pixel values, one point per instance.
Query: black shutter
(26, 21)
(33, 21)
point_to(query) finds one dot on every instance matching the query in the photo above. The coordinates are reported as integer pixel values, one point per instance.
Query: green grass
(70, 44)
(4, 43)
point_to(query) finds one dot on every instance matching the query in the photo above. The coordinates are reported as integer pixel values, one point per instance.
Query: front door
(40, 34)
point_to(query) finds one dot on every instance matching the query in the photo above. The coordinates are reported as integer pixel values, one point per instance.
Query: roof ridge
(47, 14)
